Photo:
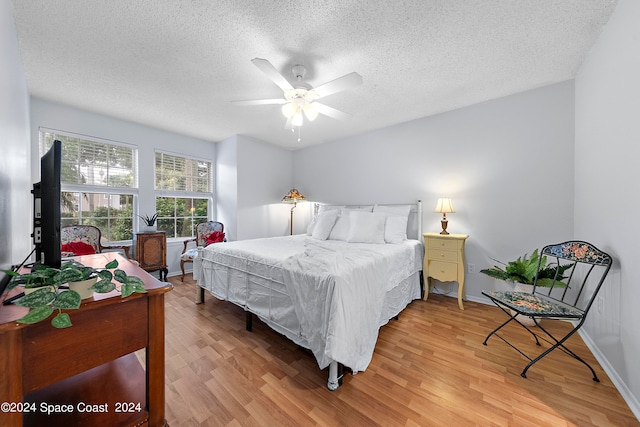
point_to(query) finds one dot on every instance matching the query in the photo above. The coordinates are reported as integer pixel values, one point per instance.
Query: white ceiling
(177, 64)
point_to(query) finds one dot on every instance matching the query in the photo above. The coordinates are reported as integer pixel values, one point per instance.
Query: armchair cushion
(189, 254)
(215, 237)
(78, 248)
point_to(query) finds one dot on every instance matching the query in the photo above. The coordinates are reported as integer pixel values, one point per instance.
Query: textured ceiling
(178, 64)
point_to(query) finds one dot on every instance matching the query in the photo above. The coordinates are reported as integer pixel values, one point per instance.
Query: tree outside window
(183, 193)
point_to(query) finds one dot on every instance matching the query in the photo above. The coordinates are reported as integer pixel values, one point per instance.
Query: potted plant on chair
(522, 273)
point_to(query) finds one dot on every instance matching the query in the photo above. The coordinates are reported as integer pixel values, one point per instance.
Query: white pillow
(326, 208)
(396, 225)
(311, 226)
(395, 229)
(340, 230)
(366, 227)
(324, 224)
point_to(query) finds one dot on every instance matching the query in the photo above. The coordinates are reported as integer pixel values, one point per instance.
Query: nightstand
(444, 260)
(151, 252)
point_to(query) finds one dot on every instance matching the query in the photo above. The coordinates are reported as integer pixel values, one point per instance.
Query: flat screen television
(46, 208)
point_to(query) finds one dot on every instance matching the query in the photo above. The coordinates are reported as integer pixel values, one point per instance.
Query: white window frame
(184, 194)
(100, 189)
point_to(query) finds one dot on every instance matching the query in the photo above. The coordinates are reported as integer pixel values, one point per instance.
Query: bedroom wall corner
(606, 196)
(15, 163)
(264, 177)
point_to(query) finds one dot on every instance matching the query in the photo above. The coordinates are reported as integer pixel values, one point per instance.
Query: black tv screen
(46, 207)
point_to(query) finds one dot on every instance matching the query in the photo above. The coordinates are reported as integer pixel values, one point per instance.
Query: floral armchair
(206, 233)
(84, 240)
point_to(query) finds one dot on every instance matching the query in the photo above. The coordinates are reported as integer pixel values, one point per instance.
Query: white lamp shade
(288, 109)
(444, 205)
(310, 111)
(296, 120)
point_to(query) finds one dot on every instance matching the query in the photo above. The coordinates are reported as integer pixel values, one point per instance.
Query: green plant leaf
(132, 286)
(36, 315)
(71, 274)
(68, 300)
(38, 298)
(103, 287)
(113, 264)
(121, 276)
(126, 290)
(133, 280)
(61, 321)
(105, 275)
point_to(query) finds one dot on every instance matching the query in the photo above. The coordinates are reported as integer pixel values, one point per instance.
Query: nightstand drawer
(444, 271)
(446, 244)
(442, 255)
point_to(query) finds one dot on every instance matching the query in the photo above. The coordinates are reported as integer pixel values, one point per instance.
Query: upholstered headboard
(414, 223)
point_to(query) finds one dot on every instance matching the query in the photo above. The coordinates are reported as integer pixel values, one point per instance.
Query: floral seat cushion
(189, 255)
(533, 305)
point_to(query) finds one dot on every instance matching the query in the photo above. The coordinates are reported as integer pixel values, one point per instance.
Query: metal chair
(88, 235)
(581, 269)
(206, 233)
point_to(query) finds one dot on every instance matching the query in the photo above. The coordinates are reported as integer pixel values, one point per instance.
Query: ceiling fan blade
(261, 102)
(271, 72)
(341, 83)
(331, 112)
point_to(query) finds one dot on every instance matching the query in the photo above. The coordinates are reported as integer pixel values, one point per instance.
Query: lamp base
(444, 224)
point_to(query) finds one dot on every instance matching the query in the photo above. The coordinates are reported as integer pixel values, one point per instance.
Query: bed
(329, 290)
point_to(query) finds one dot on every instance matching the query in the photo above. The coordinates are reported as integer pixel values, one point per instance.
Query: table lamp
(293, 196)
(444, 207)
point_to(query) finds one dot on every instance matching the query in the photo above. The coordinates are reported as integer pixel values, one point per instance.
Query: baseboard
(626, 394)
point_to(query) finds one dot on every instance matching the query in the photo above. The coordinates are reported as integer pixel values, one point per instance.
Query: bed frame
(414, 231)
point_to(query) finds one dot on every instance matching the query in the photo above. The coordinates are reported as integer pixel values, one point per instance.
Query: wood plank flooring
(429, 369)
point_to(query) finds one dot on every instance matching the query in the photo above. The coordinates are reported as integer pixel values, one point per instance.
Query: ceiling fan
(301, 99)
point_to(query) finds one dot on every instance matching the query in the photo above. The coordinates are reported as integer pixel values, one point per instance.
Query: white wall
(507, 165)
(606, 194)
(253, 176)
(61, 117)
(227, 186)
(264, 177)
(15, 181)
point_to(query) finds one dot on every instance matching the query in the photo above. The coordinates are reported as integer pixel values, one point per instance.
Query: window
(99, 183)
(183, 193)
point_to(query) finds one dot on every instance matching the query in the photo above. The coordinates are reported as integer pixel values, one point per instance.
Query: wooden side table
(91, 365)
(151, 252)
(444, 260)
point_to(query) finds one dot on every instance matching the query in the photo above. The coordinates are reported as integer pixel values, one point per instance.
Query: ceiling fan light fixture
(296, 120)
(288, 110)
(310, 111)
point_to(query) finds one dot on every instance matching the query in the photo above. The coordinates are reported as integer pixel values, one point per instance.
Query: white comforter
(338, 298)
(327, 296)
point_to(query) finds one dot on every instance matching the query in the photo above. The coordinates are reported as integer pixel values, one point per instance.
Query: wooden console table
(87, 374)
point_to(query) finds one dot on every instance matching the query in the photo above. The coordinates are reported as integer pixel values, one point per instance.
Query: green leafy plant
(50, 294)
(149, 220)
(523, 270)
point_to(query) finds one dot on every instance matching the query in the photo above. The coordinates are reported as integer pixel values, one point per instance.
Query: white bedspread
(338, 298)
(329, 296)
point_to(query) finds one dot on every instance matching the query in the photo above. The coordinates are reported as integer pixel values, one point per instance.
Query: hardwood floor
(429, 369)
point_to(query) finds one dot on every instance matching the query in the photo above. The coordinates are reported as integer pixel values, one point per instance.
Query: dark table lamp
(293, 196)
